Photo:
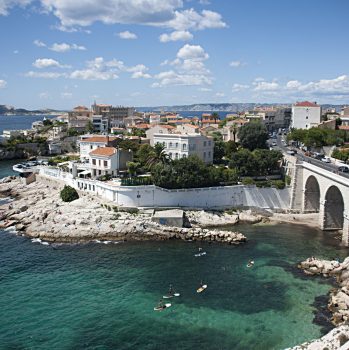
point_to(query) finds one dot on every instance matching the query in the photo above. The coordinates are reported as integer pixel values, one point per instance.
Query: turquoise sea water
(6, 167)
(98, 296)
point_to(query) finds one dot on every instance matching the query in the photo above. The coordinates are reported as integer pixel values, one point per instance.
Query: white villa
(108, 161)
(89, 143)
(184, 145)
(182, 141)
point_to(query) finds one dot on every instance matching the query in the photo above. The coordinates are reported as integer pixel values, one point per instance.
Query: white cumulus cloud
(39, 43)
(127, 35)
(192, 52)
(239, 87)
(266, 86)
(100, 69)
(190, 19)
(86, 12)
(6, 5)
(237, 64)
(45, 75)
(48, 63)
(161, 13)
(63, 47)
(3, 84)
(188, 68)
(179, 35)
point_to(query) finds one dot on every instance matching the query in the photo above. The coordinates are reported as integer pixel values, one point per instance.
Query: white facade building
(90, 143)
(188, 129)
(305, 115)
(159, 129)
(184, 145)
(108, 161)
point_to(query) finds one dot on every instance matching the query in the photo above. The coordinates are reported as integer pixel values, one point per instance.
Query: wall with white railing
(153, 196)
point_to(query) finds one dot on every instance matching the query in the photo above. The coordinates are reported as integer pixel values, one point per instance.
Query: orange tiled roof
(141, 126)
(81, 108)
(191, 126)
(205, 121)
(101, 139)
(103, 151)
(167, 126)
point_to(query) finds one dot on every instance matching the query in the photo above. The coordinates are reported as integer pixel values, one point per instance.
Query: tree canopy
(260, 162)
(316, 137)
(191, 172)
(253, 135)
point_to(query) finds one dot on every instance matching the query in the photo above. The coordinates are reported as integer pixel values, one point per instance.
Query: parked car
(291, 152)
(326, 160)
(343, 169)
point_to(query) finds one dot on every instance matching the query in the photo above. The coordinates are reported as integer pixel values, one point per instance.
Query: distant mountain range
(200, 107)
(9, 110)
(223, 107)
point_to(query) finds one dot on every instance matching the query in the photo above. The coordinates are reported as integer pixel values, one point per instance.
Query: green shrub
(261, 184)
(288, 180)
(115, 209)
(279, 184)
(248, 181)
(129, 210)
(69, 194)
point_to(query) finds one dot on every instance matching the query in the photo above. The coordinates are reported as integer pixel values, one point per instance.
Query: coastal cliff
(23, 151)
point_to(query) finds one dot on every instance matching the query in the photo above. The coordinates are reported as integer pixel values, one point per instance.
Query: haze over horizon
(59, 53)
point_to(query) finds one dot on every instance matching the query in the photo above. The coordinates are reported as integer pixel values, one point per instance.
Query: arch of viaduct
(326, 193)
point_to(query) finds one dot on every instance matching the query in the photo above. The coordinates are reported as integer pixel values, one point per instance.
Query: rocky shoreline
(338, 303)
(38, 212)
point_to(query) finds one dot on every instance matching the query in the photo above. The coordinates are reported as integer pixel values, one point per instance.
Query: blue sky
(62, 53)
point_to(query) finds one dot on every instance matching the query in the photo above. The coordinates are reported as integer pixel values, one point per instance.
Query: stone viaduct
(317, 190)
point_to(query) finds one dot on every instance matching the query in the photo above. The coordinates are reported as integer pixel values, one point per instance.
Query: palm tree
(234, 130)
(133, 168)
(158, 155)
(215, 116)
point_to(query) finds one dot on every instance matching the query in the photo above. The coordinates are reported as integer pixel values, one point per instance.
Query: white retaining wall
(153, 196)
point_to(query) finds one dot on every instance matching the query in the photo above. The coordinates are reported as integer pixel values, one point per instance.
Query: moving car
(326, 160)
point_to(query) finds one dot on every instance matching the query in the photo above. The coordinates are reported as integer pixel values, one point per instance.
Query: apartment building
(179, 146)
(305, 115)
(79, 118)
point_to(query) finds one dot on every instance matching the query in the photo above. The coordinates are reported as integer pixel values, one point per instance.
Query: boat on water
(28, 167)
